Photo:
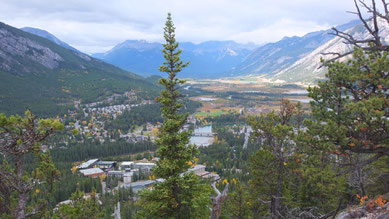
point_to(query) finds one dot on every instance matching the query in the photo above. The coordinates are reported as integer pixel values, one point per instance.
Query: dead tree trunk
(217, 202)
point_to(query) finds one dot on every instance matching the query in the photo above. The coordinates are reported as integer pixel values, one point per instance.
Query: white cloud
(95, 25)
(278, 30)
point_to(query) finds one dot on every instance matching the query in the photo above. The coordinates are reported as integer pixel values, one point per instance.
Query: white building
(127, 177)
(126, 164)
(87, 164)
(93, 172)
(144, 166)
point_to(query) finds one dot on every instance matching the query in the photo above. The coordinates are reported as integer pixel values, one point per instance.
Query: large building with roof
(200, 171)
(92, 172)
(126, 164)
(144, 166)
(87, 164)
(106, 164)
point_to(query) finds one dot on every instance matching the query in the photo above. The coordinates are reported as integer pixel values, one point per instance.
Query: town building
(87, 164)
(106, 164)
(92, 172)
(126, 164)
(136, 186)
(127, 177)
(115, 173)
(144, 166)
(200, 171)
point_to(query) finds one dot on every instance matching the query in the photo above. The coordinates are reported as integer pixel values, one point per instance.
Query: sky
(96, 25)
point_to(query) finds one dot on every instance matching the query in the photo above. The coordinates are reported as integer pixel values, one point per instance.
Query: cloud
(96, 26)
(281, 28)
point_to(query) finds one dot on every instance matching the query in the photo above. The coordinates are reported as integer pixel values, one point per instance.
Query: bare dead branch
(371, 43)
(325, 63)
(217, 202)
(264, 202)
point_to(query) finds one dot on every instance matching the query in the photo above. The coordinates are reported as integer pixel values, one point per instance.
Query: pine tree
(20, 137)
(271, 165)
(354, 102)
(180, 195)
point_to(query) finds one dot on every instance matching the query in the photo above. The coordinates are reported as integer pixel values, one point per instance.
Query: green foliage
(80, 207)
(271, 165)
(350, 118)
(178, 196)
(162, 201)
(237, 204)
(89, 150)
(49, 92)
(137, 116)
(20, 137)
(69, 182)
(354, 102)
(112, 182)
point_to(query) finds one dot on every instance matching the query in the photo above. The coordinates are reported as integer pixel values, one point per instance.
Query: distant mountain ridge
(49, 36)
(273, 58)
(40, 75)
(209, 59)
(306, 69)
(218, 59)
(292, 59)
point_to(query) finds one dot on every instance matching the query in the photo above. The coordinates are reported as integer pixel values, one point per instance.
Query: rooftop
(106, 162)
(91, 171)
(126, 163)
(87, 164)
(145, 164)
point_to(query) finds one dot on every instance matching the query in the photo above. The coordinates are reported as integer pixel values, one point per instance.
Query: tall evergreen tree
(180, 195)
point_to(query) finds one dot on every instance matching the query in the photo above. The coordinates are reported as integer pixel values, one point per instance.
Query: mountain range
(38, 74)
(292, 59)
(210, 59)
(272, 58)
(306, 68)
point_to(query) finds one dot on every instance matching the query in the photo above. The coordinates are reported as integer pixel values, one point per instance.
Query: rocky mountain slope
(211, 59)
(307, 70)
(272, 58)
(47, 78)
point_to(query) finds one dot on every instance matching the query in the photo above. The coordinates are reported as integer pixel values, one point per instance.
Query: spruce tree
(180, 195)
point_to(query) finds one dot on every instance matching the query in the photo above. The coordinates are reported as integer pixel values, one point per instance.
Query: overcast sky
(97, 25)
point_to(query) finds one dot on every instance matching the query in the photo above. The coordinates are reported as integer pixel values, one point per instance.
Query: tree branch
(217, 202)
(361, 163)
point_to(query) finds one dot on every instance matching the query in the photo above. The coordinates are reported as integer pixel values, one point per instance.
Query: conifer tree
(271, 165)
(180, 195)
(20, 137)
(350, 114)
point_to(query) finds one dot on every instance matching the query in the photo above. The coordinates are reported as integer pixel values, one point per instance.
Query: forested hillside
(40, 75)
